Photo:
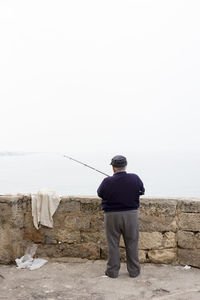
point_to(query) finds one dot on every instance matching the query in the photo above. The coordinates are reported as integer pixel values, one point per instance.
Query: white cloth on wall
(44, 205)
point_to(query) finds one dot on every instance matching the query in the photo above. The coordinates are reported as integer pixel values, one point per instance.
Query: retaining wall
(169, 230)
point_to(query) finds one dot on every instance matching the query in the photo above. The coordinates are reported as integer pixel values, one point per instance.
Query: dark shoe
(134, 275)
(111, 276)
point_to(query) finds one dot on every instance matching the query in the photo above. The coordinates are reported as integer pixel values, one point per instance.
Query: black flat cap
(119, 161)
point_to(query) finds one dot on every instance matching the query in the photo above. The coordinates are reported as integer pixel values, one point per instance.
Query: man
(120, 201)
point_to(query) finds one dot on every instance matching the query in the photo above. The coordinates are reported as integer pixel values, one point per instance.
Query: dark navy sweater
(120, 192)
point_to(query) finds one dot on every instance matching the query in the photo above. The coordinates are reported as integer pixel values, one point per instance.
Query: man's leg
(131, 236)
(111, 221)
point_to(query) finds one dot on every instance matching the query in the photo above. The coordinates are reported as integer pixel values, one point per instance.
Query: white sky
(100, 76)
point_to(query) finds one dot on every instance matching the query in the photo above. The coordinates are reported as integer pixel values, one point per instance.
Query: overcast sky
(100, 76)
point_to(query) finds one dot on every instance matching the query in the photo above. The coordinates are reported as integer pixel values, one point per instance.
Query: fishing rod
(85, 165)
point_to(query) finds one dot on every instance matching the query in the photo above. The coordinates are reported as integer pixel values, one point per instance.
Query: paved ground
(83, 281)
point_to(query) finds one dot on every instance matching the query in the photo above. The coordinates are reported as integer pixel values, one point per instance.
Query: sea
(24, 173)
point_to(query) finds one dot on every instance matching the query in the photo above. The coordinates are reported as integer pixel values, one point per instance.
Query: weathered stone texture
(76, 222)
(45, 250)
(11, 229)
(10, 243)
(186, 239)
(68, 205)
(28, 220)
(197, 240)
(166, 225)
(97, 222)
(83, 250)
(17, 219)
(33, 235)
(5, 213)
(165, 256)
(189, 257)
(68, 237)
(158, 215)
(189, 221)
(90, 206)
(169, 240)
(142, 256)
(96, 237)
(191, 205)
(157, 240)
(5, 246)
(150, 240)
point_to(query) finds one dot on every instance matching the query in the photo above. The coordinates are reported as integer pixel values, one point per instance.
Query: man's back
(121, 192)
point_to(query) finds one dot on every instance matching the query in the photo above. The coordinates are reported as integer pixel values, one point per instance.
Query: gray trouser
(125, 223)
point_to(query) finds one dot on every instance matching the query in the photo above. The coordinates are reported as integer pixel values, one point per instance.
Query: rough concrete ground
(81, 281)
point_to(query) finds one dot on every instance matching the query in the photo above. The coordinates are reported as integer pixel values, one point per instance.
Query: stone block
(150, 240)
(197, 240)
(27, 207)
(142, 256)
(11, 240)
(17, 250)
(83, 250)
(165, 256)
(97, 222)
(28, 220)
(16, 235)
(5, 246)
(74, 222)
(5, 256)
(186, 239)
(88, 199)
(189, 257)
(69, 237)
(48, 251)
(9, 199)
(5, 209)
(157, 215)
(5, 214)
(68, 205)
(93, 237)
(33, 235)
(191, 205)
(91, 205)
(50, 241)
(17, 219)
(49, 235)
(169, 240)
(189, 221)
(58, 219)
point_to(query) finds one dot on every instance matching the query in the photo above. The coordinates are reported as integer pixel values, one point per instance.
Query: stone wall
(169, 230)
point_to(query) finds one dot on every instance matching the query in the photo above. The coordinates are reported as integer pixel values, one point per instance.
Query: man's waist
(118, 209)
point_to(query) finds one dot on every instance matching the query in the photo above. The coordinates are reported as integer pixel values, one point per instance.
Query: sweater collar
(118, 173)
